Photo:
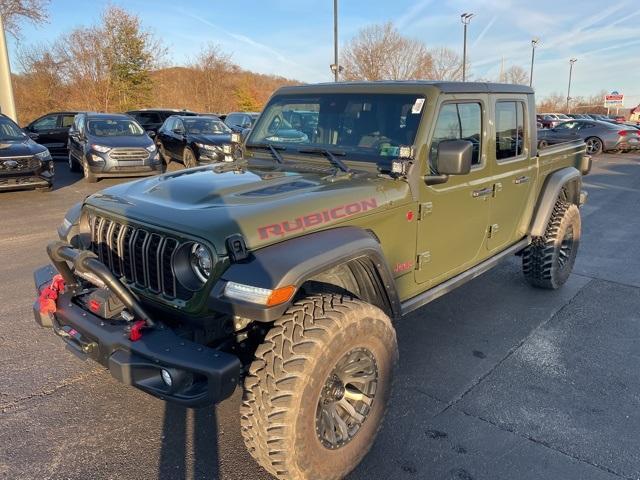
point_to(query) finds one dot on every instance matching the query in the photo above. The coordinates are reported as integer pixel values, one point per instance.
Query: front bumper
(102, 165)
(42, 177)
(201, 375)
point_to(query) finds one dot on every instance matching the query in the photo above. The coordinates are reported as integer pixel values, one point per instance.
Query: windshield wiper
(273, 148)
(331, 156)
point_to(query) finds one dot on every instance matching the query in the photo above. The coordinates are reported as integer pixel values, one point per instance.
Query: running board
(430, 295)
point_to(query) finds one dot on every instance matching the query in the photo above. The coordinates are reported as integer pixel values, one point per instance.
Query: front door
(514, 172)
(454, 216)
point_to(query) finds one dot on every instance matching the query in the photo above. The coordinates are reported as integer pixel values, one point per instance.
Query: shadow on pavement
(189, 444)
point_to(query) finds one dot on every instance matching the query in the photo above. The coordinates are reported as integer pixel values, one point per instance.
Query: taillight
(622, 133)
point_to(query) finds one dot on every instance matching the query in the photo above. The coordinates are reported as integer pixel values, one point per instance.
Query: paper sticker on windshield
(417, 106)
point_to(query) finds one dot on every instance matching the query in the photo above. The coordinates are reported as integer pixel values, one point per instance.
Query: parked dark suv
(52, 131)
(193, 140)
(23, 163)
(111, 145)
(239, 121)
(151, 119)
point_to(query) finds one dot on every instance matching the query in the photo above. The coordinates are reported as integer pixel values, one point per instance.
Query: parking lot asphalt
(497, 380)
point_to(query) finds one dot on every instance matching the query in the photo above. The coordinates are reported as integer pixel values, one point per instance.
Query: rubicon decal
(316, 218)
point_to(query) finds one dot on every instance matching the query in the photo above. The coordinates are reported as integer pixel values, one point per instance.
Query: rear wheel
(317, 391)
(189, 158)
(594, 145)
(549, 260)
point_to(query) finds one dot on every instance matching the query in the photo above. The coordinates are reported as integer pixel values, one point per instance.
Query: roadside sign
(614, 99)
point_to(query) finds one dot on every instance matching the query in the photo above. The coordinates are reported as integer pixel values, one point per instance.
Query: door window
(458, 121)
(45, 123)
(509, 130)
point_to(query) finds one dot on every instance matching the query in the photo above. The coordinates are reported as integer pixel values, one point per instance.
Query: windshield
(205, 126)
(114, 127)
(9, 131)
(366, 127)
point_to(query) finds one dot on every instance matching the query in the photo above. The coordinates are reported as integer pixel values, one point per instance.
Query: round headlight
(201, 261)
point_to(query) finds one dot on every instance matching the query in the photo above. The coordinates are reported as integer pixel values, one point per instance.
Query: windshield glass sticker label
(317, 218)
(417, 106)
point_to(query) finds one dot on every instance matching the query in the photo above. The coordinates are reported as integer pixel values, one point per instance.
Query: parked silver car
(599, 136)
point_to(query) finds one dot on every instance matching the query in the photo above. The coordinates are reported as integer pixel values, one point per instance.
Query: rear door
(513, 168)
(454, 215)
(65, 121)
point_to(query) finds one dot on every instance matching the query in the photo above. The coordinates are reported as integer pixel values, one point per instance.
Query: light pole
(465, 18)
(335, 67)
(571, 62)
(534, 44)
(7, 105)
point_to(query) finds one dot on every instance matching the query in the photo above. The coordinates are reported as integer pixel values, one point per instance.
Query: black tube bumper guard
(199, 375)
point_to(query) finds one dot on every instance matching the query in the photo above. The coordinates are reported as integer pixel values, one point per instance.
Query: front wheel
(73, 165)
(89, 176)
(189, 158)
(549, 260)
(594, 145)
(317, 391)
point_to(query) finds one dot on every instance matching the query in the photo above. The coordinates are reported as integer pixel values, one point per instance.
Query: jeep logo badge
(10, 163)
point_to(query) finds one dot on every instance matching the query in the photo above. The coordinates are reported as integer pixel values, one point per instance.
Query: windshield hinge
(423, 259)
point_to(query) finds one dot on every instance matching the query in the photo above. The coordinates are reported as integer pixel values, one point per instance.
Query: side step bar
(430, 295)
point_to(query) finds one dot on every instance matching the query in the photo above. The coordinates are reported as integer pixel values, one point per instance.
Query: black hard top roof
(389, 86)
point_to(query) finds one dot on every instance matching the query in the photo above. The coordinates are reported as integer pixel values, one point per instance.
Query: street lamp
(465, 18)
(335, 67)
(7, 104)
(571, 62)
(534, 44)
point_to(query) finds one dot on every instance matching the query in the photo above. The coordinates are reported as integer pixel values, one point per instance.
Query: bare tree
(213, 80)
(13, 11)
(516, 74)
(552, 103)
(447, 64)
(380, 52)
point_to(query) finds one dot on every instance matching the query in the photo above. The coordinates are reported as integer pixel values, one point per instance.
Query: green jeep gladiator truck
(285, 266)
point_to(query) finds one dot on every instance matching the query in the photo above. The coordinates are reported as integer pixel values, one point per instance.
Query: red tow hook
(135, 333)
(49, 295)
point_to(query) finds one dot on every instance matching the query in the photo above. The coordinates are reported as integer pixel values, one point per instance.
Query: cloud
(484, 31)
(409, 18)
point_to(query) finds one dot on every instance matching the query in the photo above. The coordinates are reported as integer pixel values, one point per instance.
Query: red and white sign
(614, 99)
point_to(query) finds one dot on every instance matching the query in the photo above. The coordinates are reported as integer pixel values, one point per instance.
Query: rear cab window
(510, 130)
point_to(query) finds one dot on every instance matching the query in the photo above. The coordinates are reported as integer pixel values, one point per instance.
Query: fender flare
(292, 262)
(549, 194)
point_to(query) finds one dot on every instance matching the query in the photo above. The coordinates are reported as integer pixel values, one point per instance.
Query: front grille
(129, 154)
(141, 257)
(18, 164)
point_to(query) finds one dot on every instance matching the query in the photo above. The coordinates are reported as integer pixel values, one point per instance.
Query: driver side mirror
(151, 133)
(453, 158)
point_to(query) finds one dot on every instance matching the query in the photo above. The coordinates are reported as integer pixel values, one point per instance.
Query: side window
(585, 125)
(232, 120)
(67, 120)
(178, 125)
(458, 121)
(45, 123)
(509, 130)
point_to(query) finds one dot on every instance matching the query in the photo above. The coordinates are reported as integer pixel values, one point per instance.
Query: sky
(294, 38)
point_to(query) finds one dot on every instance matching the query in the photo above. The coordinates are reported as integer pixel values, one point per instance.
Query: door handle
(483, 192)
(522, 179)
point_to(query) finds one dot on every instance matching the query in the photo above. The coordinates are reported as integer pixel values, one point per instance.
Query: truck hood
(266, 206)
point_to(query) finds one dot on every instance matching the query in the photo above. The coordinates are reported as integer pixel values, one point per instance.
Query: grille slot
(129, 154)
(140, 257)
(19, 164)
